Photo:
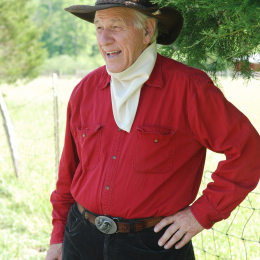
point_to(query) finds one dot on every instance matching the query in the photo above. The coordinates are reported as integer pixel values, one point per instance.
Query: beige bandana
(126, 87)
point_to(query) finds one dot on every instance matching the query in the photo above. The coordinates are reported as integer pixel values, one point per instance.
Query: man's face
(119, 42)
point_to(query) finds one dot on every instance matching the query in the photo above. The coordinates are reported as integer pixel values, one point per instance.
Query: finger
(175, 238)
(168, 233)
(164, 222)
(184, 241)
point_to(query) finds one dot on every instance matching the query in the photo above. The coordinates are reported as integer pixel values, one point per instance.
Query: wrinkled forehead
(115, 14)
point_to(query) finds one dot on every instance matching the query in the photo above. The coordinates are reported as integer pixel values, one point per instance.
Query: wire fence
(238, 237)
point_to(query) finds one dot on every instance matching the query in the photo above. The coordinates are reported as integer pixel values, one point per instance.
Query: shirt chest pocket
(90, 145)
(154, 149)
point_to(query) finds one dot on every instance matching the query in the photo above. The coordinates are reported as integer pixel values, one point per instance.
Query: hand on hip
(183, 227)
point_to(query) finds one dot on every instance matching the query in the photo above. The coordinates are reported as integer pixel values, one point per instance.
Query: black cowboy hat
(170, 21)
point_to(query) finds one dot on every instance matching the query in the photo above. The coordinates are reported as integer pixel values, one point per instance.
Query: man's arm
(219, 126)
(61, 198)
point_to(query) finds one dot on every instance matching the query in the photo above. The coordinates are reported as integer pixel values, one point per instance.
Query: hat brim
(170, 21)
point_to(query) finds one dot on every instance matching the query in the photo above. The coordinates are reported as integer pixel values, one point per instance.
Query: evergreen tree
(21, 52)
(64, 33)
(217, 35)
(70, 41)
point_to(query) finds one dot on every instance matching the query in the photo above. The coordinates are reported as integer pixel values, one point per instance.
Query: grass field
(25, 211)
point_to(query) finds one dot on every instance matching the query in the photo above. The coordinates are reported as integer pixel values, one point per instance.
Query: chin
(115, 69)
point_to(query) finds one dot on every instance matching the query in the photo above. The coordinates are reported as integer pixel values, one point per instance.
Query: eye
(99, 28)
(116, 28)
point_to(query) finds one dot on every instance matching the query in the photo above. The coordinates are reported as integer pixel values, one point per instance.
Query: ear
(149, 31)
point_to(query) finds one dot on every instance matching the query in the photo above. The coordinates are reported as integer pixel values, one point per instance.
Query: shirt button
(107, 187)
(156, 140)
(105, 214)
(213, 222)
(119, 129)
(84, 135)
(114, 157)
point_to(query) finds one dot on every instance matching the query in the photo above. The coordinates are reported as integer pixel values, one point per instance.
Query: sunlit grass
(25, 210)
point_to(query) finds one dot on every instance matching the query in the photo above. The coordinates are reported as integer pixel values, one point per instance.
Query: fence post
(9, 130)
(56, 124)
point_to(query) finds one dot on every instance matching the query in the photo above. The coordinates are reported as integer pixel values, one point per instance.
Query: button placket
(111, 170)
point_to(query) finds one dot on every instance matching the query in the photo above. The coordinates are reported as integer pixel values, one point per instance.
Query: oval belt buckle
(106, 225)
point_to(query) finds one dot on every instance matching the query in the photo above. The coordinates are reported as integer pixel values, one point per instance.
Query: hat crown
(139, 3)
(170, 21)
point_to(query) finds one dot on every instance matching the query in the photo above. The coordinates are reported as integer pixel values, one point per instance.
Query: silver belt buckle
(106, 225)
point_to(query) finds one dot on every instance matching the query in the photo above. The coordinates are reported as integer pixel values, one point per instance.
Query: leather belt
(109, 226)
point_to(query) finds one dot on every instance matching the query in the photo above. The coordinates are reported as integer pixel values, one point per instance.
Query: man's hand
(54, 252)
(184, 227)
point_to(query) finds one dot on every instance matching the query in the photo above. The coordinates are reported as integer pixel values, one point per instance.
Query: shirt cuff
(57, 234)
(204, 213)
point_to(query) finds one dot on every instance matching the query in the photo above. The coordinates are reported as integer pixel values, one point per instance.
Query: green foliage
(65, 33)
(217, 35)
(21, 53)
(70, 41)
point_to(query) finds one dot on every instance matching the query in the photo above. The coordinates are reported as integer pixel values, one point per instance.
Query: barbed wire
(24, 123)
(37, 139)
(29, 101)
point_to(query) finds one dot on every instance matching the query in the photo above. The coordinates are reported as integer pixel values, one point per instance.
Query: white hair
(140, 22)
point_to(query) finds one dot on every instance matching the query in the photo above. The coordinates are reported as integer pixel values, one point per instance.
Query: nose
(106, 37)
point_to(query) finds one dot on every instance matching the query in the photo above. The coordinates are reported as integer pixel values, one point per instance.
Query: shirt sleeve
(221, 127)
(61, 198)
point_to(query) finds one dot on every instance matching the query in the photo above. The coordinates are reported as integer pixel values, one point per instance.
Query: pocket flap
(88, 129)
(159, 130)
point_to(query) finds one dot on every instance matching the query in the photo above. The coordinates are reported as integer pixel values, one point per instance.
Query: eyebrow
(112, 20)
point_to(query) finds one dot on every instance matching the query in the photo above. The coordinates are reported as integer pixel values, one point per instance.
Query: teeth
(112, 52)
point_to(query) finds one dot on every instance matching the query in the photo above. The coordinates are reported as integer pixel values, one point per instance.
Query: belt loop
(131, 226)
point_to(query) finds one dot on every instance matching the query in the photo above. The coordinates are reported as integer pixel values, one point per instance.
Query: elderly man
(135, 146)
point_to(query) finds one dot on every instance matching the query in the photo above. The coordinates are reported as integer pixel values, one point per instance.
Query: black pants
(83, 241)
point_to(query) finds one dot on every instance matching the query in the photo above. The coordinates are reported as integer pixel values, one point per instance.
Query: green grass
(25, 210)
(25, 219)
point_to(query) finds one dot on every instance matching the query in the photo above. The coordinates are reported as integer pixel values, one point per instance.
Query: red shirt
(156, 169)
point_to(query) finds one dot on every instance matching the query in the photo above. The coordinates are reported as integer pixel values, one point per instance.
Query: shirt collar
(155, 79)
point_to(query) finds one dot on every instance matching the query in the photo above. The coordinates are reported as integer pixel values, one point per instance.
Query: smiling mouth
(112, 53)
